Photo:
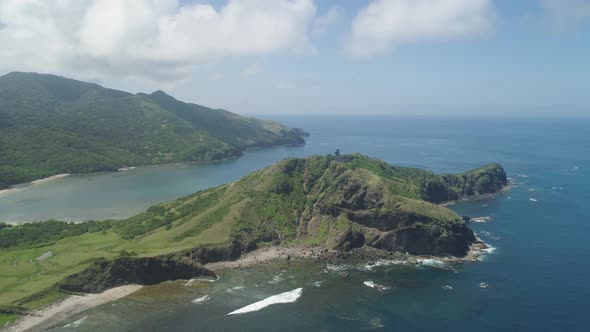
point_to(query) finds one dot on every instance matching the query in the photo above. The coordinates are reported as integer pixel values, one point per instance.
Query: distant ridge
(51, 124)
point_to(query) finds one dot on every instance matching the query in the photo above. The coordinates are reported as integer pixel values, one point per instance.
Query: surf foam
(76, 323)
(481, 219)
(379, 287)
(201, 299)
(286, 297)
(432, 262)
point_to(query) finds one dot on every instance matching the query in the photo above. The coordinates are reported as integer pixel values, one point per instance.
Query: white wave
(201, 299)
(483, 285)
(318, 283)
(76, 323)
(276, 279)
(431, 262)
(448, 287)
(376, 322)
(379, 287)
(336, 268)
(383, 262)
(234, 289)
(489, 249)
(192, 280)
(532, 190)
(481, 219)
(532, 199)
(286, 297)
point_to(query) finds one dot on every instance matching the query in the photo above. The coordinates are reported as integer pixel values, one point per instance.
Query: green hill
(340, 203)
(51, 125)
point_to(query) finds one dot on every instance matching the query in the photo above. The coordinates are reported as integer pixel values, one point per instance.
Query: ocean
(536, 278)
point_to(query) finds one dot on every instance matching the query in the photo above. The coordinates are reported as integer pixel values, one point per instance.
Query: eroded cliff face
(104, 274)
(488, 179)
(353, 201)
(360, 213)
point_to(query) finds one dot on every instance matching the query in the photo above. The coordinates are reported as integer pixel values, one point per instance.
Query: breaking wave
(481, 219)
(379, 287)
(432, 262)
(76, 323)
(286, 297)
(201, 299)
(383, 262)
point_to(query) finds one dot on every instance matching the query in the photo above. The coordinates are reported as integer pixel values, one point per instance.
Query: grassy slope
(22, 276)
(261, 206)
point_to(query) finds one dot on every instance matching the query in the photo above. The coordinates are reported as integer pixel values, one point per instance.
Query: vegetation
(340, 202)
(51, 125)
(46, 233)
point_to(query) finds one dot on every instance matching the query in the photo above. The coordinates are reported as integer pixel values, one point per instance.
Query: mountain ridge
(52, 124)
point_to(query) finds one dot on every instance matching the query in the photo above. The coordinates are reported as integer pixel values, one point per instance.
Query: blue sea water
(538, 277)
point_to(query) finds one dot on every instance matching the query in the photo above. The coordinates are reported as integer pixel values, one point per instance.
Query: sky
(408, 57)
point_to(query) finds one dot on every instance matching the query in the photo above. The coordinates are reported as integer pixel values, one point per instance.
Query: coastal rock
(104, 274)
(349, 202)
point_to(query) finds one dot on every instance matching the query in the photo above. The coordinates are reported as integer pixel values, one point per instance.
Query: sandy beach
(70, 306)
(51, 178)
(32, 183)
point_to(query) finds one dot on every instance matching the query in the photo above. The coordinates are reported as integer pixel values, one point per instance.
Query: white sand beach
(32, 183)
(70, 306)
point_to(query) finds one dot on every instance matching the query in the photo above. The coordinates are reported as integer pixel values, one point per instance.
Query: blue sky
(476, 57)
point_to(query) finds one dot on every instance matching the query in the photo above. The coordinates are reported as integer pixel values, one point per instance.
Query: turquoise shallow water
(537, 277)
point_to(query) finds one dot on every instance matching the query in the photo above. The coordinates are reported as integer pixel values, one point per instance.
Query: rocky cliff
(353, 201)
(104, 274)
(341, 203)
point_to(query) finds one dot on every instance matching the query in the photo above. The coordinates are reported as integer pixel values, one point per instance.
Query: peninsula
(333, 204)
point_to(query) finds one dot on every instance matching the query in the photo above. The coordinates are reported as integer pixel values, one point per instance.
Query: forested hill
(51, 125)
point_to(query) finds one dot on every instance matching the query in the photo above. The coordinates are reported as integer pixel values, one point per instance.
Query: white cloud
(157, 39)
(566, 14)
(323, 23)
(384, 24)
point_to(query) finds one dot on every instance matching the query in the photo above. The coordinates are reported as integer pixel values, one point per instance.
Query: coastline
(128, 168)
(69, 307)
(20, 186)
(269, 255)
(369, 257)
(502, 190)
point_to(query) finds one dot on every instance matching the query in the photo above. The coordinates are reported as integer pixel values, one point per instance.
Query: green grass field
(22, 275)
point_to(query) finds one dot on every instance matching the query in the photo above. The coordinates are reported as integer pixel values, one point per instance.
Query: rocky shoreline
(270, 255)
